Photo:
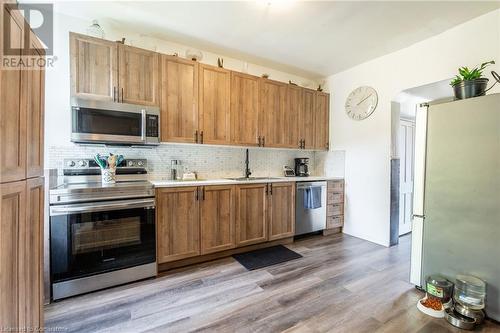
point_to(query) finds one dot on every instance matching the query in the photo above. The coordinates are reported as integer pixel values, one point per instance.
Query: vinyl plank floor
(342, 284)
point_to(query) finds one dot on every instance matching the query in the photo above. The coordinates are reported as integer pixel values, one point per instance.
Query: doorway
(406, 173)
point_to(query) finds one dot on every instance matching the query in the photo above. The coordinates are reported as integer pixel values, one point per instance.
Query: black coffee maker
(302, 167)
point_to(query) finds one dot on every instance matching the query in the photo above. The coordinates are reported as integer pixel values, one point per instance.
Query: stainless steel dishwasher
(309, 220)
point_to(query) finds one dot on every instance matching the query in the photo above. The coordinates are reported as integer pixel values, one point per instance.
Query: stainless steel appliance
(302, 167)
(456, 209)
(114, 123)
(309, 220)
(101, 235)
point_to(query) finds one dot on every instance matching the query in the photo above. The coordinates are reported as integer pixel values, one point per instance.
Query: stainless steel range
(101, 235)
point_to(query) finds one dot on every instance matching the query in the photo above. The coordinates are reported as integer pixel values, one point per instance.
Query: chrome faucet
(247, 168)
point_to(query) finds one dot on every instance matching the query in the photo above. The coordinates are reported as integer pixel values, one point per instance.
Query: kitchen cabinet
(214, 105)
(334, 206)
(281, 210)
(177, 223)
(94, 67)
(217, 218)
(179, 100)
(245, 110)
(306, 119)
(293, 112)
(31, 256)
(251, 214)
(321, 121)
(275, 120)
(138, 76)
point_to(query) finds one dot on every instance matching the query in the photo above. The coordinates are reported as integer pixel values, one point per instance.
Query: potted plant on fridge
(470, 82)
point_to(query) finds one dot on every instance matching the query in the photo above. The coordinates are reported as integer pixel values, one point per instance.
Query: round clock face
(361, 103)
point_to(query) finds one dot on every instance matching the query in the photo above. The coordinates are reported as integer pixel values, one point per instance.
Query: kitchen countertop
(223, 181)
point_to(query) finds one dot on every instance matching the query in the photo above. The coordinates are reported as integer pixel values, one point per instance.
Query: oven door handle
(144, 126)
(101, 206)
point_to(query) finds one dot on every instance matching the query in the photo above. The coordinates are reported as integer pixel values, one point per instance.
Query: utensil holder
(108, 176)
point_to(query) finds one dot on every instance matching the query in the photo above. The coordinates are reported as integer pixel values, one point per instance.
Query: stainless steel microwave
(114, 123)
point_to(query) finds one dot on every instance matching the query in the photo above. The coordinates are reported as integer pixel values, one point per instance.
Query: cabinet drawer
(334, 222)
(335, 186)
(334, 209)
(335, 197)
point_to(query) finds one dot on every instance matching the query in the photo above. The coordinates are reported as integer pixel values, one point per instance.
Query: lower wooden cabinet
(217, 218)
(21, 251)
(177, 223)
(281, 210)
(251, 214)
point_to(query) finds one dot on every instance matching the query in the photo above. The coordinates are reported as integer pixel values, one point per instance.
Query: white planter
(108, 176)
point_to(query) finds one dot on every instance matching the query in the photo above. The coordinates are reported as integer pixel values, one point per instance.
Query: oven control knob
(140, 163)
(71, 163)
(82, 163)
(130, 163)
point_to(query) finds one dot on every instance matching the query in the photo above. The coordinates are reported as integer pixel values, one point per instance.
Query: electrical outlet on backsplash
(208, 162)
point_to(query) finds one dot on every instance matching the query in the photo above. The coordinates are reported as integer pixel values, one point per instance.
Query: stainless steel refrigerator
(456, 225)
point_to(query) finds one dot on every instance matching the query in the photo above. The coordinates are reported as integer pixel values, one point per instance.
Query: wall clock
(361, 103)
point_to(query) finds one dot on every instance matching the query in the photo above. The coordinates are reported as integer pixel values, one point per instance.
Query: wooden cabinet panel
(179, 100)
(139, 76)
(281, 210)
(93, 67)
(321, 121)
(13, 215)
(293, 112)
(274, 120)
(251, 215)
(34, 103)
(31, 257)
(12, 111)
(214, 105)
(217, 218)
(306, 121)
(244, 109)
(177, 223)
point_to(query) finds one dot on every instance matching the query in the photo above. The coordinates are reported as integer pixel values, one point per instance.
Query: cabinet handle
(304, 144)
(267, 189)
(263, 141)
(196, 136)
(114, 94)
(196, 193)
(258, 140)
(122, 94)
(201, 140)
(203, 193)
(271, 189)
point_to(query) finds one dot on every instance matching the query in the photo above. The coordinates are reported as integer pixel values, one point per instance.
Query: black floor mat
(266, 257)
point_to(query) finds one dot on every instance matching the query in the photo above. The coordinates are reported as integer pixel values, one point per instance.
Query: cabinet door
(139, 76)
(275, 120)
(177, 223)
(321, 120)
(307, 119)
(12, 111)
(251, 215)
(13, 215)
(293, 112)
(281, 210)
(179, 100)
(31, 257)
(217, 218)
(93, 67)
(214, 105)
(244, 109)
(33, 99)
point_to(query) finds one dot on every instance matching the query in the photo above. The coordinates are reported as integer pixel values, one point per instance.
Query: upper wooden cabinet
(251, 214)
(321, 121)
(214, 105)
(306, 122)
(281, 210)
(179, 100)
(275, 120)
(106, 70)
(139, 75)
(217, 218)
(245, 109)
(177, 223)
(294, 109)
(94, 68)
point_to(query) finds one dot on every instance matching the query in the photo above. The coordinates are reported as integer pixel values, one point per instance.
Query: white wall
(57, 101)
(368, 143)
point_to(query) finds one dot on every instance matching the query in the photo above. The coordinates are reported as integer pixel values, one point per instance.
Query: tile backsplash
(208, 161)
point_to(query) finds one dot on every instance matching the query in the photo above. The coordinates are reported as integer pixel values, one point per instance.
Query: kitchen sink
(252, 178)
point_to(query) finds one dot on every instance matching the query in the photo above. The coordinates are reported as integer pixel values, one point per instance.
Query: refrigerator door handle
(418, 216)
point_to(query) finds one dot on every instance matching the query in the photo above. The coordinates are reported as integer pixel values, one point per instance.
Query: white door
(406, 172)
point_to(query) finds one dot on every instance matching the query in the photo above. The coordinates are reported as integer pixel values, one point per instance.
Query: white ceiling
(312, 39)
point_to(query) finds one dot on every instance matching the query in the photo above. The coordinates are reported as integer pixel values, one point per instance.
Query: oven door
(91, 238)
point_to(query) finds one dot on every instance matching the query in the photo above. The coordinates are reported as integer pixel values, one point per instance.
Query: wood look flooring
(342, 284)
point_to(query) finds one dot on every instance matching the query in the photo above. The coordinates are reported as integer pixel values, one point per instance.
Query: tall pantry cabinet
(21, 183)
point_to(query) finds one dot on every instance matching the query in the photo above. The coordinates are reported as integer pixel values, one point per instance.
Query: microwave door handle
(143, 131)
